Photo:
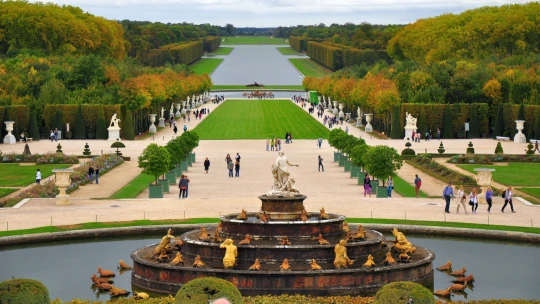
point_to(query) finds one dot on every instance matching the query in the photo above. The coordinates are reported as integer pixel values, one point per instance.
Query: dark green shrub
(33, 131)
(101, 125)
(58, 121)
(448, 129)
(470, 149)
(23, 291)
(537, 128)
(86, 150)
(499, 149)
(129, 133)
(80, 129)
(396, 124)
(200, 291)
(400, 292)
(499, 123)
(59, 149)
(474, 129)
(422, 123)
(529, 150)
(408, 150)
(441, 148)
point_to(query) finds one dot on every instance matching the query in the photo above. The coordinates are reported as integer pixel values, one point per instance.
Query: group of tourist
(53, 135)
(448, 195)
(218, 99)
(332, 121)
(416, 136)
(233, 166)
(183, 185)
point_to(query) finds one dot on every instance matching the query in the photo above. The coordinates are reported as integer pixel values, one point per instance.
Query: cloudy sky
(272, 13)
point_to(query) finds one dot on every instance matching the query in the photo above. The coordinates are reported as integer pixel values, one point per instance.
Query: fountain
(283, 229)
(62, 181)
(483, 179)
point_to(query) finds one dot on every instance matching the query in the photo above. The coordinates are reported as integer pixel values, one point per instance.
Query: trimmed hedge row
(352, 57)
(298, 43)
(176, 53)
(327, 55)
(212, 43)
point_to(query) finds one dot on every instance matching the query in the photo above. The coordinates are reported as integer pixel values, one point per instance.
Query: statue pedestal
(114, 133)
(152, 129)
(162, 122)
(408, 131)
(283, 208)
(359, 122)
(369, 127)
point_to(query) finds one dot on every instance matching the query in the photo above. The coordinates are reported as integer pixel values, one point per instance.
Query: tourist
(237, 168)
(175, 129)
(272, 145)
(38, 177)
(473, 200)
(279, 144)
(276, 144)
(319, 142)
(489, 198)
(96, 173)
(462, 198)
(228, 158)
(507, 195)
(417, 185)
(367, 185)
(426, 135)
(290, 137)
(230, 166)
(23, 138)
(448, 193)
(346, 129)
(206, 165)
(55, 134)
(320, 164)
(91, 174)
(430, 134)
(439, 134)
(389, 187)
(183, 186)
(51, 135)
(237, 157)
(170, 121)
(185, 128)
(267, 144)
(536, 147)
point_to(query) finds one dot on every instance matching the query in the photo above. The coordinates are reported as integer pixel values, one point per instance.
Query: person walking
(206, 165)
(185, 128)
(228, 158)
(55, 134)
(448, 194)
(417, 185)
(237, 157)
(321, 164)
(51, 135)
(290, 137)
(272, 145)
(462, 198)
(536, 147)
(346, 128)
(267, 144)
(38, 176)
(389, 187)
(96, 173)
(507, 195)
(183, 186)
(473, 200)
(279, 144)
(91, 174)
(237, 168)
(489, 198)
(230, 166)
(367, 185)
(319, 142)
(175, 129)
(439, 134)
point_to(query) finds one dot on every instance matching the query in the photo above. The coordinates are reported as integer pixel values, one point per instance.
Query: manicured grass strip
(6, 191)
(147, 134)
(533, 192)
(134, 187)
(405, 189)
(205, 65)
(252, 40)
(288, 51)
(266, 87)
(16, 175)
(515, 174)
(309, 67)
(222, 51)
(259, 119)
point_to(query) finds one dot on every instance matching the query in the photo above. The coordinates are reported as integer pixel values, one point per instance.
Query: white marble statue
(187, 101)
(162, 112)
(114, 121)
(283, 181)
(358, 112)
(410, 120)
(171, 112)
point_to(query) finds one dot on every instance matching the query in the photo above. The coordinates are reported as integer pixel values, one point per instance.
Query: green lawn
(535, 192)
(515, 174)
(288, 51)
(15, 175)
(405, 189)
(266, 87)
(309, 67)
(259, 119)
(252, 40)
(6, 191)
(134, 187)
(222, 51)
(205, 65)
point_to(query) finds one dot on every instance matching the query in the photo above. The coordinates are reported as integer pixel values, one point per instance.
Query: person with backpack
(185, 128)
(417, 185)
(448, 194)
(507, 195)
(91, 174)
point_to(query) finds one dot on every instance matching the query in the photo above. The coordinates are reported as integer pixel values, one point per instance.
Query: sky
(273, 13)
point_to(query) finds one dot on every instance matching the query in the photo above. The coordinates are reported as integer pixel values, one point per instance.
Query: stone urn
(9, 138)
(62, 181)
(520, 138)
(319, 98)
(483, 179)
(341, 114)
(152, 128)
(335, 111)
(369, 127)
(177, 114)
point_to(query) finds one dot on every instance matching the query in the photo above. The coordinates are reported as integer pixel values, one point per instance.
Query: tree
(175, 152)
(448, 128)
(521, 116)
(80, 129)
(101, 127)
(474, 128)
(499, 123)
(537, 128)
(382, 161)
(396, 125)
(58, 121)
(129, 133)
(33, 131)
(229, 28)
(154, 161)
(422, 123)
(358, 153)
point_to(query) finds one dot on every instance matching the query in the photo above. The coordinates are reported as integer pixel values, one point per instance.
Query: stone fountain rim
(62, 170)
(224, 218)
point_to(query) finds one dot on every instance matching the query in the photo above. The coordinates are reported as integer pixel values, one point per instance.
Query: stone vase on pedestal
(335, 111)
(483, 179)
(62, 181)
(520, 138)
(152, 128)
(341, 114)
(177, 114)
(369, 127)
(9, 138)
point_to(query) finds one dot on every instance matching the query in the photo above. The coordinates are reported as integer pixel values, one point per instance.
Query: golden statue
(264, 217)
(166, 240)
(468, 278)
(314, 265)
(96, 280)
(322, 241)
(349, 237)
(346, 227)
(457, 273)
(444, 292)
(304, 217)
(285, 241)
(103, 286)
(118, 291)
(369, 262)
(360, 234)
(163, 257)
(204, 235)
(323, 215)
(229, 261)
(178, 243)
(219, 227)
(122, 265)
(246, 241)
(285, 265)
(168, 248)
(105, 273)
(404, 257)
(198, 263)
(401, 242)
(447, 266)
(140, 295)
(458, 287)
(389, 259)
(256, 266)
(177, 260)
(342, 260)
(217, 238)
(242, 215)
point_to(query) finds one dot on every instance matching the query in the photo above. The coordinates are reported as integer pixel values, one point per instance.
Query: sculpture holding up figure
(342, 259)
(171, 111)
(114, 121)
(231, 252)
(283, 181)
(114, 128)
(401, 242)
(166, 240)
(410, 120)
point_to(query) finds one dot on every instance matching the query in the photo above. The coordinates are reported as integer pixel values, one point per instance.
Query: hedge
(352, 57)
(403, 293)
(298, 43)
(327, 55)
(212, 43)
(532, 112)
(200, 291)
(20, 115)
(23, 291)
(185, 53)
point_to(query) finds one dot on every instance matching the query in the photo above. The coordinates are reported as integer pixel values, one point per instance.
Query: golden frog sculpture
(198, 263)
(346, 227)
(315, 266)
(360, 234)
(285, 265)
(369, 262)
(304, 217)
(322, 241)
(401, 242)
(389, 259)
(246, 241)
(285, 241)
(177, 260)
(204, 235)
(256, 266)
(323, 215)
(231, 252)
(242, 216)
(342, 260)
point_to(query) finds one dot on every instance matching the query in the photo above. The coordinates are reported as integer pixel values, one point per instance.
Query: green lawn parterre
(515, 174)
(405, 189)
(287, 50)
(205, 65)
(309, 67)
(259, 119)
(7, 191)
(252, 40)
(17, 175)
(134, 187)
(222, 51)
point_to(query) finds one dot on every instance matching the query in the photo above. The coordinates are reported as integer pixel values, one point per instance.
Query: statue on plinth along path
(410, 120)
(401, 242)
(114, 121)
(166, 240)
(229, 261)
(342, 259)
(162, 112)
(283, 181)
(171, 112)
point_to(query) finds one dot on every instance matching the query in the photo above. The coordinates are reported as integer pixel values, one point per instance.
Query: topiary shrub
(59, 149)
(530, 148)
(129, 133)
(470, 149)
(408, 150)
(499, 149)
(23, 291)
(80, 129)
(86, 150)
(441, 148)
(33, 131)
(400, 292)
(26, 150)
(200, 291)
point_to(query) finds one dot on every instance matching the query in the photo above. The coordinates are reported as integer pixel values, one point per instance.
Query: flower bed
(45, 190)
(441, 172)
(104, 162)
(47, 158)
(489, 159)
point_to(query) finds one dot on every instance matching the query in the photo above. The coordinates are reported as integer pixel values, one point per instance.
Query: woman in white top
(473, 200)
(508, 199)
(461, 196)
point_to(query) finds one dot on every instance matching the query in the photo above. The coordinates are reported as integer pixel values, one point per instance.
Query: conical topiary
(422, 123)
(441, 148)
(59, 149)
(470, 149)
(408, 150)
(529, 149)
(33, 131)
(448, 128)
(26, 150)
(101, 127)
(499, 149)
(474, 128)
(80, 129)
(396, 124)
(86, 150)
(58, 121)
(129, 134)
(499, 123)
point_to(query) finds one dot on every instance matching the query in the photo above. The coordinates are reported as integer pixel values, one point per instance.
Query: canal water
(503, 270)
